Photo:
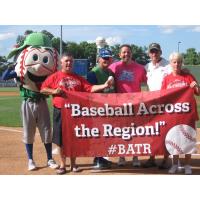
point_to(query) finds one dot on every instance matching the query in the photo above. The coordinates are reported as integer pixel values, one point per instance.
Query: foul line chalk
(11, 130)
(14, 130)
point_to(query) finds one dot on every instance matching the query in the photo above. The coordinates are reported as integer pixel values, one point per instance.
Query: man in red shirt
(56, 85)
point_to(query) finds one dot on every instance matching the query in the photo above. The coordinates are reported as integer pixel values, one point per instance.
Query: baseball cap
(154, 46)
(105, 53)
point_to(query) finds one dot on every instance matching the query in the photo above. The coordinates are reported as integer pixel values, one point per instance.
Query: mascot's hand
(12, 66)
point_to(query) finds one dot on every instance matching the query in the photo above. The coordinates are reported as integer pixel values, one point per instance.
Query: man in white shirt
(157, 69)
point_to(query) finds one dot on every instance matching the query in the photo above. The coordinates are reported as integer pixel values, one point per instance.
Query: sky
(169, 37)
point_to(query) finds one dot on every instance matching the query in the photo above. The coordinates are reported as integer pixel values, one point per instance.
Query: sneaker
(136, 162)
(149, 163)
(31, 165)
(164, 165)
(61, 171)
(52, 164)
(105, 161)
(180, 168)
(95, 160)
(101, 160)
(188, 170)
(173, 169)
(75, 169)
(101, 166)
(121, 162)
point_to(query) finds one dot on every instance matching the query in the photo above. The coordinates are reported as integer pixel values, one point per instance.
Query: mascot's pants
(36, 114)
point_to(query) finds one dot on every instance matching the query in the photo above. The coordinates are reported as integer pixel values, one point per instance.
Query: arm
(50, 91)
(163, 86)
(9, 74)
(98, 88)
(194, 84)
(196, 87)
(49, 86)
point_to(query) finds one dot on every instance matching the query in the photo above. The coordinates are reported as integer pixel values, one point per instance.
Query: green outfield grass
(10, 109)
(9, 89)
(195, 70)
(10, 113)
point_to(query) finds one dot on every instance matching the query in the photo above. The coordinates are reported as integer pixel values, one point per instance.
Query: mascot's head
(36, 60)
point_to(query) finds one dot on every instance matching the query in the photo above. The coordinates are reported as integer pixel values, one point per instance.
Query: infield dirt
(13, 159)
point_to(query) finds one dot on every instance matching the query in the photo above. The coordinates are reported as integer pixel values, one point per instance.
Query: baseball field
(13, 160)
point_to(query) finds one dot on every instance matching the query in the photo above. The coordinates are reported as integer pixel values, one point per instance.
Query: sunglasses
(106, 58)
(154, 51)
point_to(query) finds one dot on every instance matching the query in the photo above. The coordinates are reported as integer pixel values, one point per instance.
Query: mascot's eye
(45, 59)
(35, 57)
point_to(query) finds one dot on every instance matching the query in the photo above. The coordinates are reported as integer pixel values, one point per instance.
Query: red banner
(145, 123)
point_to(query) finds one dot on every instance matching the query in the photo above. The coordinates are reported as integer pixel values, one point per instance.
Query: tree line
(85, 50)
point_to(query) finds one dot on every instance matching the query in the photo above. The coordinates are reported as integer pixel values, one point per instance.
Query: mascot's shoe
(52, 164)
(31, 165)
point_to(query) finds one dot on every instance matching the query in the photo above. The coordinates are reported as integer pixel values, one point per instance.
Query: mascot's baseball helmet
(34, 39)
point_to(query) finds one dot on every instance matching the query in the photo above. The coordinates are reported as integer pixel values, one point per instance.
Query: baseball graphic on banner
(181, 139)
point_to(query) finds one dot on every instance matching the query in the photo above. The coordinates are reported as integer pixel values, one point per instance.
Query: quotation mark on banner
(67, 105)
(112, 149)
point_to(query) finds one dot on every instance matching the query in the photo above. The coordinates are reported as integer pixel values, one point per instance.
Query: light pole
(178, 46)
(60, 40)
(100, 42)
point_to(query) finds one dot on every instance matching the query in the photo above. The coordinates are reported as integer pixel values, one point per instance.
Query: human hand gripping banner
(127, 124)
